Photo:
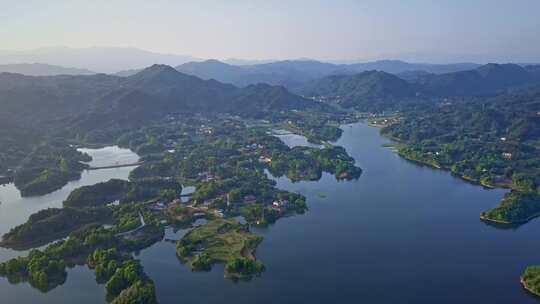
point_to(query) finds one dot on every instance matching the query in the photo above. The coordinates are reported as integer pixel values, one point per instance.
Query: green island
(225, 241)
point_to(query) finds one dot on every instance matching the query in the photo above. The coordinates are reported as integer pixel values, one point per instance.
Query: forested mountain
(485, 80)
(40, 69)
(159, 89)
(365, 89)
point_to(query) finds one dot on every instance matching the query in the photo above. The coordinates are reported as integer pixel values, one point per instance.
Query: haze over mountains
(127, 61)
(97, 59)
(40, 69)
(294, 73)
(215, 86)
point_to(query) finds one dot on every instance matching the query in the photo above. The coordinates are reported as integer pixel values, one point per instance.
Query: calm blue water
(400, 234)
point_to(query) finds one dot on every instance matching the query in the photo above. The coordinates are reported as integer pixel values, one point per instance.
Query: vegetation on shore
(124, 277)
(491, 141)
(516, 207)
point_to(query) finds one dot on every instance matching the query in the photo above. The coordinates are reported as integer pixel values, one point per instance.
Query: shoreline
(487, 219)
(527, 288)
(462, 177)
(28, 245)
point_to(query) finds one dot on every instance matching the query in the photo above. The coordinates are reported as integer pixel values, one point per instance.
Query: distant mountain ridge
(295, 73)
(40, 69)
(98, 59)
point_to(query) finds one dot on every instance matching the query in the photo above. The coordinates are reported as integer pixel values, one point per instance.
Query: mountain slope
(485, 80)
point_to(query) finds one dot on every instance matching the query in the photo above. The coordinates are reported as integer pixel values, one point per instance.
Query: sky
(415, 30)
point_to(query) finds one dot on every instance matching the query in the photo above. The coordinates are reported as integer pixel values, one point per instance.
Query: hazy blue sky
(420, 30)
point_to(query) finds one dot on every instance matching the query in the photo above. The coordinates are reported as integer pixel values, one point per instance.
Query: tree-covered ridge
(371, 90)
(379, 91)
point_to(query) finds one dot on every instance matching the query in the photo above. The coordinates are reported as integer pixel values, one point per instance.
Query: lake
(400, 233)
